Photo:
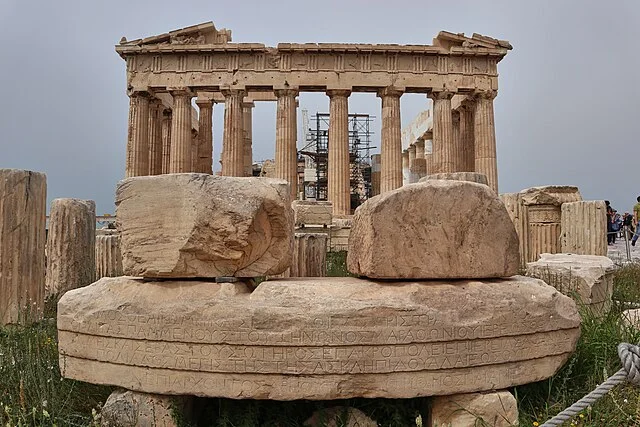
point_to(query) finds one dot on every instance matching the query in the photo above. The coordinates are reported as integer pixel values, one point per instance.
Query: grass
(32, 391)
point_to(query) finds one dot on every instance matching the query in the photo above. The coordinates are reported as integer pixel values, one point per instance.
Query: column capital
(144, 93)
(234, 92)
(204, 103)
(419, 142)
(441, 94)
(248, 104)
(338, 93)
(427, 135)
(286, 92)
(181, 91)
(485, 94)
(390, 91)
(411, 148)
(155, 103)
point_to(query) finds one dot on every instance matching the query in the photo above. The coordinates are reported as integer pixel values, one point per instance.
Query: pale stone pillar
(138, 139)
(391, 146)
(286, 133)
(309, 255)
(412, 164)
(71, 243)
(166, 140)
(406, 174)
(428, 150)
(443, 160)
(205, 134)
(247, 120)
(375, 174)
(233, 138)
(23, 200)
(497, 408)
(420, 164)
(108, 255)
(485, 137)
(339, 188)
(180, 158)
(155, 137)
(584, 228)
(467, 137)
(195, 148)
(457, 147)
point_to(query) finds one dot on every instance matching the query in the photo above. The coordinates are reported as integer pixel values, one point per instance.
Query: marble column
(138, 138)
(412, 163)
(428, 150)
(108, 255)
(391, 147)
(286, 136)
(405, 167)
(195, 148)
(339, 188)
(442, 132)
(420, 162)
(466, 133)
(23, 207)
(180, 158)
(205, 133)
(155, 137)
(233, 138)
(166, 140)
(458, 146)
(375, 174)
(247, 121)
(485, 137)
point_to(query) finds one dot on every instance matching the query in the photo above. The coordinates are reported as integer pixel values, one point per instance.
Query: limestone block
(631, 318)
(589, 278)
(495, 409)
(126, 408)
(315, 338)
(71, 242)
(583, 228)
(309, 255)
(519, 217)
(459, 176)
(342, 416)
(432, 230)
(108, 256)
(339, 234)
(23, 199)
(312, 213)
(551, 195)
(199, 225)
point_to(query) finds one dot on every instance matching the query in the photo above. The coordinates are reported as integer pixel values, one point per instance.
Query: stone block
(315, 338)
(312, 213)
(71, 242)
(23, 204)
(342, 416)
(583, 228)
(309, 255)
(588, 278)
(458, 176)
(631, 317)
(126, 408)
(435, 229)
(197, 225)
(495, 409)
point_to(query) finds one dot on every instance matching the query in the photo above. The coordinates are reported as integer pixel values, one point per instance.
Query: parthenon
(201, 62)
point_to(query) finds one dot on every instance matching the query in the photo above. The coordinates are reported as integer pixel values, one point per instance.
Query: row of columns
(162, 141)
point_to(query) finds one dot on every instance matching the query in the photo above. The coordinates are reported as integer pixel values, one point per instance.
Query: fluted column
(458, 146)
(155, 137)
(339, 188)
(412, 163)
(108, 255)
(391, 147)
(466, 133)
(180, 160)
(442, 132)
(205, 134)
(138, 139)
(247, 121)
(420, 162)
(195, 148)
(166, 140)
(286, 133)
(406, 174)
(485, 137)
(428, 151)
(233, 138)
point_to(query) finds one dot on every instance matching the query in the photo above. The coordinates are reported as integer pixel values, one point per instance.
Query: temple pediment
(205, 33)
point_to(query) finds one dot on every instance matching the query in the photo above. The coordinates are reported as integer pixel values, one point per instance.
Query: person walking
(636, 217)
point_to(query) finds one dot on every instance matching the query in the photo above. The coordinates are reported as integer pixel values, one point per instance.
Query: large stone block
(458, 176)
(126, 408)
(312, 213)
(198, 225)
(23, 203)
(589, 278)
(315, 338)
(432, 230)
(495, 409)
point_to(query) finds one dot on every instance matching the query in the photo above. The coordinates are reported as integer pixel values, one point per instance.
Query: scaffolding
(316, 154)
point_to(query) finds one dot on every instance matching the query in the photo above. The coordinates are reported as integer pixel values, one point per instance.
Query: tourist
(636, 216)
(610, 232)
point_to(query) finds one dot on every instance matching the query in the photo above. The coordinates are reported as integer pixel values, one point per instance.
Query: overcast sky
(567, 110)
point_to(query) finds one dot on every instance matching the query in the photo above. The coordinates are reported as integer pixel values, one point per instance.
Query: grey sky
(567, 111)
